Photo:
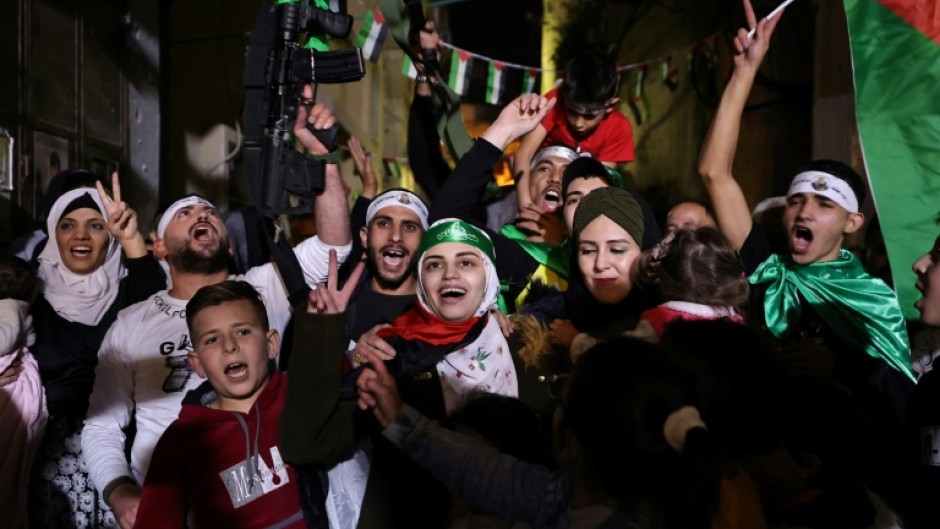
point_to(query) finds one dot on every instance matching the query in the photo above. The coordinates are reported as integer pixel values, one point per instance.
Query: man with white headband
(395, 222)
(143, 373)
(832, 318)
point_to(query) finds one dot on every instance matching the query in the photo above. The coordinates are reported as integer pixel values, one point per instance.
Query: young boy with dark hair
(585, 118)
(219, 464)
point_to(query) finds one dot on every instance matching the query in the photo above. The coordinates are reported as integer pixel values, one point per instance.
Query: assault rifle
(277, 66)
(282, 180)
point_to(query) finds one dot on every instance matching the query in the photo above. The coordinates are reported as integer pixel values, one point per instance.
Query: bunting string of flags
(372, 34)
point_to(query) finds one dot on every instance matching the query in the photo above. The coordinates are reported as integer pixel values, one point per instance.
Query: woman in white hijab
(88, 280)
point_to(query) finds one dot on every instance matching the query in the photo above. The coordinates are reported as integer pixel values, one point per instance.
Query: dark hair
(506, 422)
(225, 292)
(703, 267)
(738, 374)
(619, 396)
(18, 280)
(840, 171)
(590, 78)
(823, 418)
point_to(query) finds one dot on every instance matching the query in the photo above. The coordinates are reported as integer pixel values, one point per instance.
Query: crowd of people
(576, 367)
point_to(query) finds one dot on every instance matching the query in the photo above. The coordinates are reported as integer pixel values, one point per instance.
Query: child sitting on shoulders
(23, 413)
(585, 118)
(699, 276)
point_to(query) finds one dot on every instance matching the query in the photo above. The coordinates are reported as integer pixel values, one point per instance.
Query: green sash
(555, 258)
(862, 310)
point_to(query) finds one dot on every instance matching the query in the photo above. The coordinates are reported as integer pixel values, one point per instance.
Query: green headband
(617, 204)
(453, 230)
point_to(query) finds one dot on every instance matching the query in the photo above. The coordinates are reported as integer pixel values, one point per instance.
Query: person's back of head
(739, 376)
(629, 409)
(18, 280)
(703, 267)
(505, 422)
(590, 79)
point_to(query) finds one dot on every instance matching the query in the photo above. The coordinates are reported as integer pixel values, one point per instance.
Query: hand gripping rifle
(277, 66)
(282, 180)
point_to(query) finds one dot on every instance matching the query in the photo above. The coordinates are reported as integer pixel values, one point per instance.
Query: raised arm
(330, 207)
(528, 146)
(717, 157)
(461, 193)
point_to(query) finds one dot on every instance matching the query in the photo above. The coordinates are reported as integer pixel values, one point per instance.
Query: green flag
(896, 61)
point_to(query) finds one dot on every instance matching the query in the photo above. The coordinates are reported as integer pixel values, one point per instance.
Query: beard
(385, 281)
(186, 259)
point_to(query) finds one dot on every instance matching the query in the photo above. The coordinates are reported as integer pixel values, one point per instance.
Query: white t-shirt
(142, 366)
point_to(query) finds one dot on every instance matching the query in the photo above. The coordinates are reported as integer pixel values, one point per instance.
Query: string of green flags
(462, 62)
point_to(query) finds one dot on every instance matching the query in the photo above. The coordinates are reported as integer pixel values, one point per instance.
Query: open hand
(370, 342)
(363, 161)
(520, 116)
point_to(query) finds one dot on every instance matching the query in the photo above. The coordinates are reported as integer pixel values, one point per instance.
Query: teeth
(452, 292)
(551, 195)
(235, 367)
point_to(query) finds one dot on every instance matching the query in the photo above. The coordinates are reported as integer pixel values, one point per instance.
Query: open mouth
(452, 295)
(802, 238)
(552, 200)
(393, 257)
(81, 251)
(203, 232)
(236, 370)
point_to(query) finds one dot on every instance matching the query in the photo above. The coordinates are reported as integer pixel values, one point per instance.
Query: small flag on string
(372, 35)
(459, 71)
(495, 80)
(670, 74)
(408, 68)
(528, 80)
(638, 102)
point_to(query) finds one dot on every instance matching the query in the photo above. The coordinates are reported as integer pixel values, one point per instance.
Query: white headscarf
(80, 298)
(485, 365)
(492, 280)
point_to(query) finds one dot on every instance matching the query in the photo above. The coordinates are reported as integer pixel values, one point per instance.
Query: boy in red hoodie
(218, 464)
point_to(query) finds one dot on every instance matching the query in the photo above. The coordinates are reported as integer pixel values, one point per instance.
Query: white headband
(400, 198)
(184, 202)
(559, 151)
(824, 184)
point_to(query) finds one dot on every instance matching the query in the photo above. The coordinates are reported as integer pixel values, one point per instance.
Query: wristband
(115, 483)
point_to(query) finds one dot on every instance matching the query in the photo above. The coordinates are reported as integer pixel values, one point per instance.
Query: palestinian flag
(372, 35)
(495, 81)
(408, 68)
(528, 80)
(896, 62)
(639, 104)
(459, 71)
(670, 74)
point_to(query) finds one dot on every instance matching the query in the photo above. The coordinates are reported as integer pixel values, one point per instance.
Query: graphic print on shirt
(179, 369)
(244, 485)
